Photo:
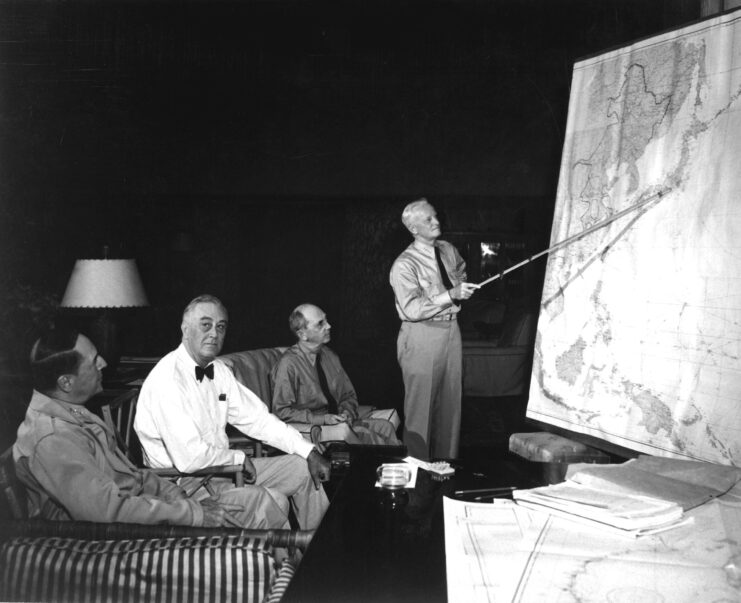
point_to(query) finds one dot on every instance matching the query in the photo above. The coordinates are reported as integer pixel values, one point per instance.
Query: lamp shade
(104, 284)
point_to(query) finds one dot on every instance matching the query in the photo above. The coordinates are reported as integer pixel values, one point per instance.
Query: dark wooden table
(375, 545)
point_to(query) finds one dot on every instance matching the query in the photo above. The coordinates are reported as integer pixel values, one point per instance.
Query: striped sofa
(215, 568)
(77, 561)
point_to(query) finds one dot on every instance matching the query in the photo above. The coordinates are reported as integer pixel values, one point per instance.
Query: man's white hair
(411, 210)
(202, 299)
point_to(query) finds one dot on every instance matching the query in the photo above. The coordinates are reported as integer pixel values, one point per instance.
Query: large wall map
(639, 334)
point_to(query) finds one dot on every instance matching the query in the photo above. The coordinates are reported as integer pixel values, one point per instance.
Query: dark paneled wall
(263, 150)
(297, 98)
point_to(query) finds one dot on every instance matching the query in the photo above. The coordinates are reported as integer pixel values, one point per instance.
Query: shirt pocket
(429, 288)
(426, 285)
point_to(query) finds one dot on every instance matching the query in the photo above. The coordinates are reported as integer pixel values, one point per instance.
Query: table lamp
(107, 285)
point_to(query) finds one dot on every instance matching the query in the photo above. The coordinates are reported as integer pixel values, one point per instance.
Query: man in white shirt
(429, 282)
(185, 404)
(68, 459)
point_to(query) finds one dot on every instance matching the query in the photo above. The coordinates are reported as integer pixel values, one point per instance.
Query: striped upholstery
(283, 578)
(215, 568)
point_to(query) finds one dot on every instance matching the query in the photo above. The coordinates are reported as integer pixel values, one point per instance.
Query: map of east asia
(639, 335)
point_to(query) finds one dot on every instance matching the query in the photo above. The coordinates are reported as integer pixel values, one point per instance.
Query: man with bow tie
(185, 404)
(68, 458)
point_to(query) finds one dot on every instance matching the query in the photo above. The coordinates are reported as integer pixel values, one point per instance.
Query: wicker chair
(44, 560)
(119, 415)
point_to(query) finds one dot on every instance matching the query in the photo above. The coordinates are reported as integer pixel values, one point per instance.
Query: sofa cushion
(252, 369)
(212, 568)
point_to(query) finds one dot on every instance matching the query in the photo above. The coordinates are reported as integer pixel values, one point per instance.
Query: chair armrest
(240, 441)
(88, 530)
(373, 412)
(205, 474)
(43, 560)
(172, 472)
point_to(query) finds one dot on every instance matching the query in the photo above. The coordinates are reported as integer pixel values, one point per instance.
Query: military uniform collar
(54, 407)
(428, 250)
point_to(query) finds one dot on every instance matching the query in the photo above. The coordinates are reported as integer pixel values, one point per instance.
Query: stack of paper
(687, 483)
(642, 496)
(634, 515)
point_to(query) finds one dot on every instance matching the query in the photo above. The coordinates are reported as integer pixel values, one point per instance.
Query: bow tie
(208, 372)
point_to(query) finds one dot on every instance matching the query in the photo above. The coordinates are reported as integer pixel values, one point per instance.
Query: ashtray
(394, 476)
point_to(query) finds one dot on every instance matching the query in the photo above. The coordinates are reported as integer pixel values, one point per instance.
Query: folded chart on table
(686, 483)
(639, 497)
(632, 515)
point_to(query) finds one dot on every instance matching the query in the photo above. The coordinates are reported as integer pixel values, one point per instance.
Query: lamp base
(104, 334)
(101, 328)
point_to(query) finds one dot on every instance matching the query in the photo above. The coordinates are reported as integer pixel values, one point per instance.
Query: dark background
(263, 151)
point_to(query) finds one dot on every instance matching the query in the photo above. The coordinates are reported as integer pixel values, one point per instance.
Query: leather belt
(444, 317)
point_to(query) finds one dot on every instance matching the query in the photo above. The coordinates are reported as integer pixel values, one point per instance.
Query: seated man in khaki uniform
(68, 459)
(310, 388)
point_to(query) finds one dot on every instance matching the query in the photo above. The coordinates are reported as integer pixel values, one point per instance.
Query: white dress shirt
(181, 421)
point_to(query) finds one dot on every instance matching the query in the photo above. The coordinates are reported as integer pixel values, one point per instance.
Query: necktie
(444, 273)
(331, 402)
(208, 372)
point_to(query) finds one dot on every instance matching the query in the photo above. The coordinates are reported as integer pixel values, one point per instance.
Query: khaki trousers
(374, 427)
(281, 480)
(431, 360)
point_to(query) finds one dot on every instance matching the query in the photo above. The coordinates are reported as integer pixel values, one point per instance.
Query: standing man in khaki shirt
(429, 282)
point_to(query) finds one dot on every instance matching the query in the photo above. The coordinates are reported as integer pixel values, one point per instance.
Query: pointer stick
(498, 490)
(575, 237)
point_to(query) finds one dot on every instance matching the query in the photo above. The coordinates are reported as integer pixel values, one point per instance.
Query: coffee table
(375, 545)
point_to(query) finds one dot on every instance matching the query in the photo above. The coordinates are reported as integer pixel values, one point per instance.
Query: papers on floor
(642, 496)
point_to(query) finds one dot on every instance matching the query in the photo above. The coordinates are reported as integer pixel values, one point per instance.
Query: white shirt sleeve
(251, 416)
(175, 431)
(182, 423)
